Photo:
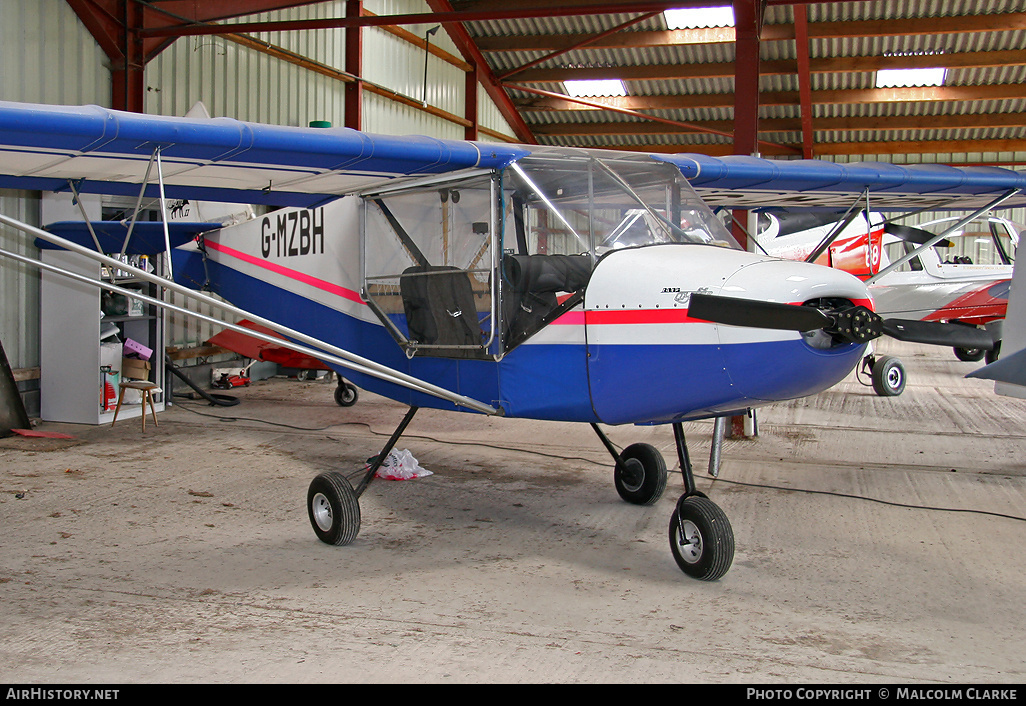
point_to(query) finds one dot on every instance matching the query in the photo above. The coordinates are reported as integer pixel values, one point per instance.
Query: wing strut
(850, 216)
(163, 215)
(135, 294)
(937, 238)
(85, 216)
(336, 355)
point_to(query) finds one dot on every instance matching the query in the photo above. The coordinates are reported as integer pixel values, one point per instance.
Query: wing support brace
(850, 216)
(320, 349)
(941, 236)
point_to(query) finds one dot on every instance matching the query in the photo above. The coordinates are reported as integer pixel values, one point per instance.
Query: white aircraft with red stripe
(514, 281)
(963, 279)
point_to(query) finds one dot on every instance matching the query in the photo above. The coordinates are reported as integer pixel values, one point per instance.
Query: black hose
(212, 398)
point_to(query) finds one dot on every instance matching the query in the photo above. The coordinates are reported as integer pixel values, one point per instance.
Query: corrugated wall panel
(239, 82)
(47, 56)
(19, 284)
(490, 117)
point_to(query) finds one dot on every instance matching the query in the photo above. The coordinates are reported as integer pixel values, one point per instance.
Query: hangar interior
(846, 82)
(778, 79)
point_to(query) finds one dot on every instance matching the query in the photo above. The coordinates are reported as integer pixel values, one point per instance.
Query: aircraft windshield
(983, 241)
(574, 202)
(564, 209)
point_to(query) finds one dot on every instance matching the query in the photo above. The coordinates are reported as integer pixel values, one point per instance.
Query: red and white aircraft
(963, 279)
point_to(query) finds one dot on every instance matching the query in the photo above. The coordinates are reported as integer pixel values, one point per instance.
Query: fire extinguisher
(107, 394)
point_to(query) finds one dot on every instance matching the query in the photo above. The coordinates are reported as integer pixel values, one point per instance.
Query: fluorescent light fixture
(902, 78)
(595, 87)
(695, 17)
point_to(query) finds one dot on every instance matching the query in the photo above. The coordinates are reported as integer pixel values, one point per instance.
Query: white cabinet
(72, 360)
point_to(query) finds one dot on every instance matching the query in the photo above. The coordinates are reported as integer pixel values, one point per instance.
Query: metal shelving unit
(72, 357)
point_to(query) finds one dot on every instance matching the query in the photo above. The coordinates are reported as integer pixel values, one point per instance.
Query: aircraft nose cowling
(791, 364)
(789, 282)
(650, 360)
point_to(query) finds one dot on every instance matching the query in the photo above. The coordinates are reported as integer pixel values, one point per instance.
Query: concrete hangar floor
(184, 554)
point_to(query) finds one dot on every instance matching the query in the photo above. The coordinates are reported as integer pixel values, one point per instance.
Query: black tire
(888, 376)
(640, 474)
(701, 538)
(993, 354)
(969, 355)
(346, 394)
(334, 509)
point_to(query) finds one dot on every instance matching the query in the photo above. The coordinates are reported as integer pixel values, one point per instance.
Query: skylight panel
(595, 87)
(697, 17)
(903, 78)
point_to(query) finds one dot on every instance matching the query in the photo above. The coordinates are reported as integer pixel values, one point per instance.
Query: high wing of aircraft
(951, 285)
(545, 283)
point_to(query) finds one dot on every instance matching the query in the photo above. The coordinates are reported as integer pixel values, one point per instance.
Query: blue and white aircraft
(519, 281)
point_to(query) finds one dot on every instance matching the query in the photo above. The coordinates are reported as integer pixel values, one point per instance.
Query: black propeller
(916, 236)
(938, 334)
(849, 322)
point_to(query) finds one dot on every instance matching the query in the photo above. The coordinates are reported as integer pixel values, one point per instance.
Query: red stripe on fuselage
(978, 307)
(286, 272)
(617, 317)
(631, 317)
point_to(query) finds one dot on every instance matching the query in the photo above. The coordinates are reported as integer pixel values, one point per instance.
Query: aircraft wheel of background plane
(993, 354)
(640, 474)
(701, 538)
(969, 355)
(346, 394)
(888, 376)
(334, 509)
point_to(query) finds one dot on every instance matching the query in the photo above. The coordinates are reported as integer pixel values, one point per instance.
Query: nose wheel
(701, 538)
(640, 474)
(886, 373)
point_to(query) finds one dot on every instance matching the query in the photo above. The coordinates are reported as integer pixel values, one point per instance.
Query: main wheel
(888, 376)
(334, 509)
(640, 474)
(970, 355)
(701, 538)
(346, 394)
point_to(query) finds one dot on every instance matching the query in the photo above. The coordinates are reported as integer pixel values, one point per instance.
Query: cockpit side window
(429, 256)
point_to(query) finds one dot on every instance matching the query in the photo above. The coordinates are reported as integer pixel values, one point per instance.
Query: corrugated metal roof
(692, 81)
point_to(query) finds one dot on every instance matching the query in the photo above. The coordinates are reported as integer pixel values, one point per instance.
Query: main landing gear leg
(333, 503)
(701, 538)
(886, 373)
